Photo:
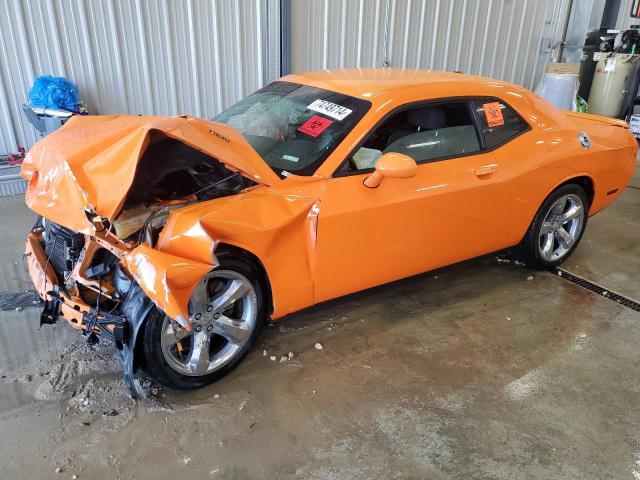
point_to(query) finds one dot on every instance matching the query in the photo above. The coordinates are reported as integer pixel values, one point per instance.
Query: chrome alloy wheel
(224, 311)
(561, 227)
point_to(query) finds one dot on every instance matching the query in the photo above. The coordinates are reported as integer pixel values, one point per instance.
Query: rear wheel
(557, 227)
(227, 313)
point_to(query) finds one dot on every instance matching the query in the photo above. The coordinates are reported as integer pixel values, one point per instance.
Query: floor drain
(595, 288)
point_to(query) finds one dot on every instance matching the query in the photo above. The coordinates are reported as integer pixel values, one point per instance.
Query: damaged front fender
(166, 279)
(278, 229)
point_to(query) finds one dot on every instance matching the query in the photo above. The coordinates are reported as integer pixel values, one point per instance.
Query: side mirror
(394, 165)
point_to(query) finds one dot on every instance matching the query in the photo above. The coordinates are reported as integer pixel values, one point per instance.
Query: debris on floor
(318, 346)
(18, 301)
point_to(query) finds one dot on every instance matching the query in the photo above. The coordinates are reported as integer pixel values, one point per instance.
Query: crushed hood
(89, 164)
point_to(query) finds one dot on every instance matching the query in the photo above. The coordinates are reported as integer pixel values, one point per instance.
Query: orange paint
(91, 162)
(167, 279)
(323, 236)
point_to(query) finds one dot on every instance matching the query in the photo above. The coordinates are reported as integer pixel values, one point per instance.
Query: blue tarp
(54, 92)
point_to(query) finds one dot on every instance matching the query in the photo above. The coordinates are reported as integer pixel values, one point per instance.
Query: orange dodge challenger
(178, 238)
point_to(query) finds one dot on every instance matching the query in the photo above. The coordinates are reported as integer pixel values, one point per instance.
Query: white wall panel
(130, 56)
(495, 38)
(625, 20)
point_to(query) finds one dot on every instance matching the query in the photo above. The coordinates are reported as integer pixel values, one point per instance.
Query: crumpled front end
(103, 186)
(106, 287)
(133, 220)
(89, 167)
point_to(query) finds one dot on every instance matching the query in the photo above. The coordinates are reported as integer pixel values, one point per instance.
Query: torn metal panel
(273, 226)
(166, 279)
(90, 163)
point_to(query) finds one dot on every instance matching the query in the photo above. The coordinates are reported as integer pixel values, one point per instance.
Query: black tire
(528, 249)
(153, 361)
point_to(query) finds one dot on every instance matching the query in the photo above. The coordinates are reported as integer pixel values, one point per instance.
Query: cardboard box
(564, 68)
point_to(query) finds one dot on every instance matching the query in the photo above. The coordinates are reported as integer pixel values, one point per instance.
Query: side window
(425, 133)
(497, 122)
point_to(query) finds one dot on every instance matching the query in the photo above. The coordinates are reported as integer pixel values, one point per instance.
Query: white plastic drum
(611, 84)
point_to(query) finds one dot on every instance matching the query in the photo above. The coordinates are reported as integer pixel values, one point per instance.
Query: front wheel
(227, 313)
(557, 227)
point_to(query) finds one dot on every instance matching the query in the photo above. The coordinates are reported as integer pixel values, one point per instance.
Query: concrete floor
(470, 372)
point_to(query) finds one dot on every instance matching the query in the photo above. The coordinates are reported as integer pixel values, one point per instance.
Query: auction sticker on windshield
(332, 110)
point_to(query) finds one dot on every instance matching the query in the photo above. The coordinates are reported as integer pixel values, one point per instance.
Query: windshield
(294, 127)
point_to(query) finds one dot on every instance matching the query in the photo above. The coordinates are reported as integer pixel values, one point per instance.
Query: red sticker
(315, 125)
(493, 114)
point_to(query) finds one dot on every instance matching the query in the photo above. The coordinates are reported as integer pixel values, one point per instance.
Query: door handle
(486, 170)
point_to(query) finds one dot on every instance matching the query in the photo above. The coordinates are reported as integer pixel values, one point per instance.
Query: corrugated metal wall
(130, 56)
(199, 56)
(625, 20)
(495, 38)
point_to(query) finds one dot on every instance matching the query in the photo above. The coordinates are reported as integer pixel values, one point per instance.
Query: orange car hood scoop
(88, 166)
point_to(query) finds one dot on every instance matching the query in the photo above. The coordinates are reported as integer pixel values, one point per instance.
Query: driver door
(442, 215)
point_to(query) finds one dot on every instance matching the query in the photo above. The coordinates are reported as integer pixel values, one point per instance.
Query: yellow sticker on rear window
(493, 114)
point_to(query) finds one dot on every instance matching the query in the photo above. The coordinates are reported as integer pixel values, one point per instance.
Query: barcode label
(332, 110)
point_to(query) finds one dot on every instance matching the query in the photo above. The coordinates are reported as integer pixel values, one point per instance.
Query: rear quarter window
(497, 121)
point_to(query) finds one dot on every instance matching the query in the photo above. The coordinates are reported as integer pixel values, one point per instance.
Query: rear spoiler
(598, 119)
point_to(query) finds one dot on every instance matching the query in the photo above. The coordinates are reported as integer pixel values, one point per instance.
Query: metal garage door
(496, 38)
